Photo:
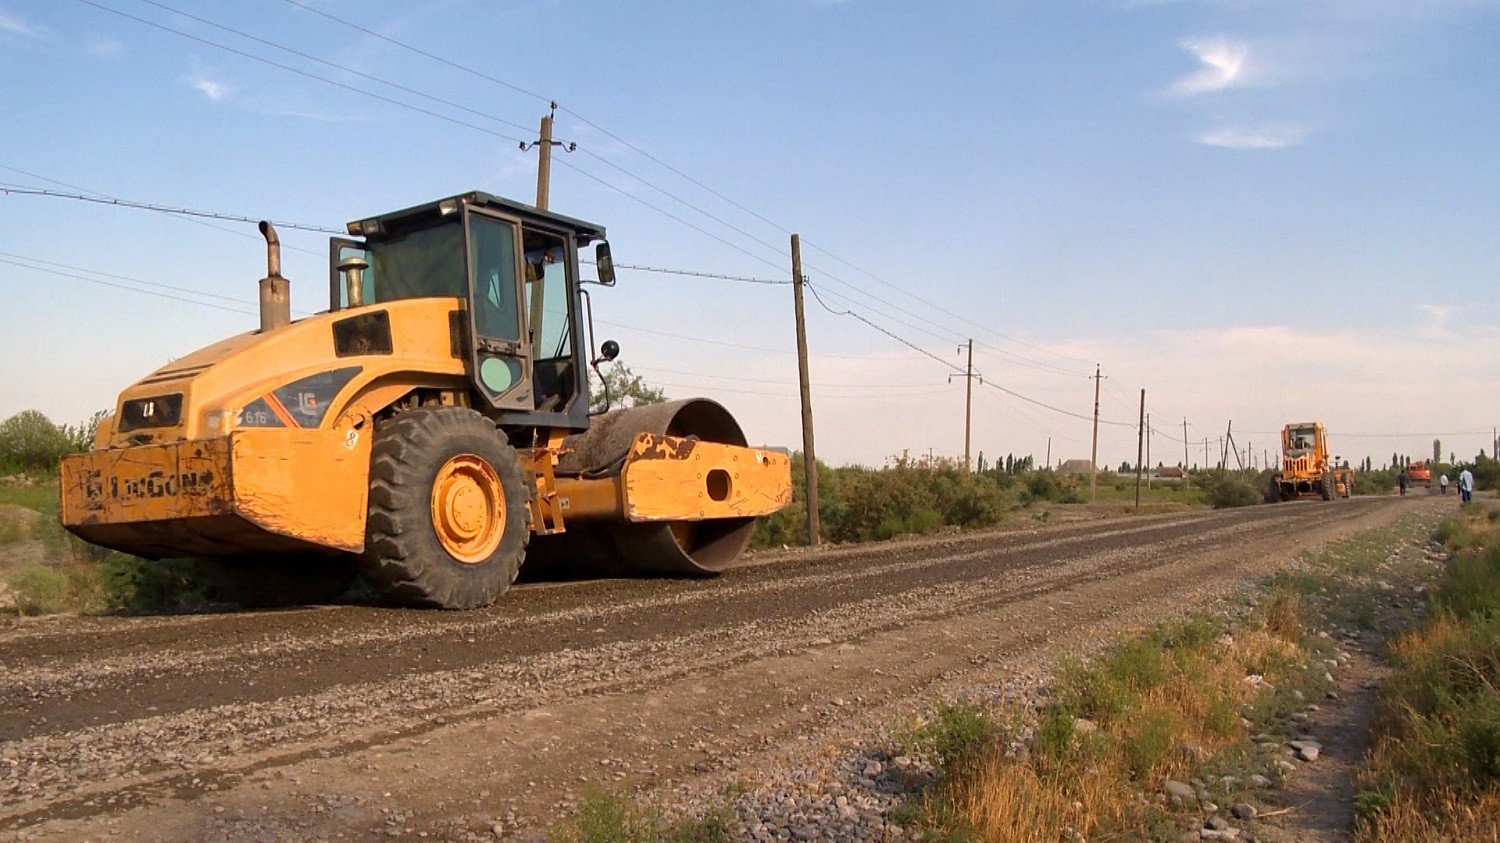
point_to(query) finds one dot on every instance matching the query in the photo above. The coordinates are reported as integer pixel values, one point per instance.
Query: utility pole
(1149, 470)
(1049, 453)
(1094, 458)
(543, 145)
(968, 377)
(1230, 447)
(809, 455)
(1140, 441)
(1187, 480)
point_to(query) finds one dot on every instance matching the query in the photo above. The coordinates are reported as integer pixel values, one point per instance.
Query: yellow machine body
(210, 484)
(1306, 467)
(218, 479)
(464, 348)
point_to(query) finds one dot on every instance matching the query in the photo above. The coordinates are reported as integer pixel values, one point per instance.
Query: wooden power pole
(1149, 470)
(968, 377)
(1187, 479)
(809, 455)
(543, 146)
(544, 163)
(1140, 442)
(1094, 458)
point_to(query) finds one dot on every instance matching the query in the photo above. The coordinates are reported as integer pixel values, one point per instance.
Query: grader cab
(430, 431)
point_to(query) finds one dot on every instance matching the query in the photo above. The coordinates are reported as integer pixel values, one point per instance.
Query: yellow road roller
(431, 431)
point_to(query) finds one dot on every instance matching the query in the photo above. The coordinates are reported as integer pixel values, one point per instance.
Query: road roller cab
(422, 430)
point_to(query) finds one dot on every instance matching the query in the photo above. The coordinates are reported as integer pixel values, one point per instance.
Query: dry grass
(1007, 800)
(1436, 817)
(1434, 772)
(1161, 706)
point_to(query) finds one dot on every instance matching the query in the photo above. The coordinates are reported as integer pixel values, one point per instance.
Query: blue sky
(1258, 211)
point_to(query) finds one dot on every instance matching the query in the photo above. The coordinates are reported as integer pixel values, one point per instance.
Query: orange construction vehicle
(1418, 472)
(431, 430)
(1306, 469)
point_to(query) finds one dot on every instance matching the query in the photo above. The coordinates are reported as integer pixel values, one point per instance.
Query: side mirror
(609, 350)
(604, 265)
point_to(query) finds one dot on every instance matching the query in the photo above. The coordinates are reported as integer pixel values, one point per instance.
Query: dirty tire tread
(403, 559)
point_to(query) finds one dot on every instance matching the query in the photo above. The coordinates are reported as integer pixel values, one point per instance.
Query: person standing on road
(1465, 486)
(1443, 483)
(1401, 481)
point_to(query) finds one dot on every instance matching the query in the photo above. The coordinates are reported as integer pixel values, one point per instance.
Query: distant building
(1169, 472)
(1075, 467)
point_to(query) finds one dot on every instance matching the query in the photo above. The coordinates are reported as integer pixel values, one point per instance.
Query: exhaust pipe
(275, 291)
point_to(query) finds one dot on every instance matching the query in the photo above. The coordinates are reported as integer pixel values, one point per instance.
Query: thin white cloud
(107, 49)
(1225, 64)
(1265, 137)
(15, 24)
(209, 88)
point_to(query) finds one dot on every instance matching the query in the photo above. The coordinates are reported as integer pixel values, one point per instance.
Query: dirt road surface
(360, 721)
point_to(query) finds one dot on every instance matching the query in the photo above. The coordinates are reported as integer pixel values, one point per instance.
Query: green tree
(1437, 451)
(29, 440)
(623, 388)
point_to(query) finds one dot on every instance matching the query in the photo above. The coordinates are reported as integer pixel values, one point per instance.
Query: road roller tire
(1325, 486)
(258, 582)
(448, 518)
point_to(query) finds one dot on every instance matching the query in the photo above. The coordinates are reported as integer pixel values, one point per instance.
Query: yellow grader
(431, 431)
(1306, 469)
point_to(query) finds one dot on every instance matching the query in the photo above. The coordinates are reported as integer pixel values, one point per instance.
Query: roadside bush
(617, 818)
(858, 504)
(1224, 489)
(957, 738)
(1377, 482)
(1042, 485)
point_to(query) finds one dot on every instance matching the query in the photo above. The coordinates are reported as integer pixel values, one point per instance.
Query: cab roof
(585, 232)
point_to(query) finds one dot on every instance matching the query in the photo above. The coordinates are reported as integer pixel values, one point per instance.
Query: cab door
(500, 350)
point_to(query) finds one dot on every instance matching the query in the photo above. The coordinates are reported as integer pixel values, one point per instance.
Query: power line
(944, 338)
(784, 381)
(300, 72)
(326, 63)
(147, 206)
(694, 273)
(437, 58)
(898, 338)
(697, 182)
(219, 215)
(990, 383)
(717, 389)
(582, 119)
(431, 113)
(193, 220)
(63, 274)
(30, 259)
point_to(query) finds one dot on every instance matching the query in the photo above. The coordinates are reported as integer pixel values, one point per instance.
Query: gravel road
(361, 721)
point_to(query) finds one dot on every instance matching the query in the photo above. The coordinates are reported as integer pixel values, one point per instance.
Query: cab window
(549, 320)
(494, 302)
(420, 263)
